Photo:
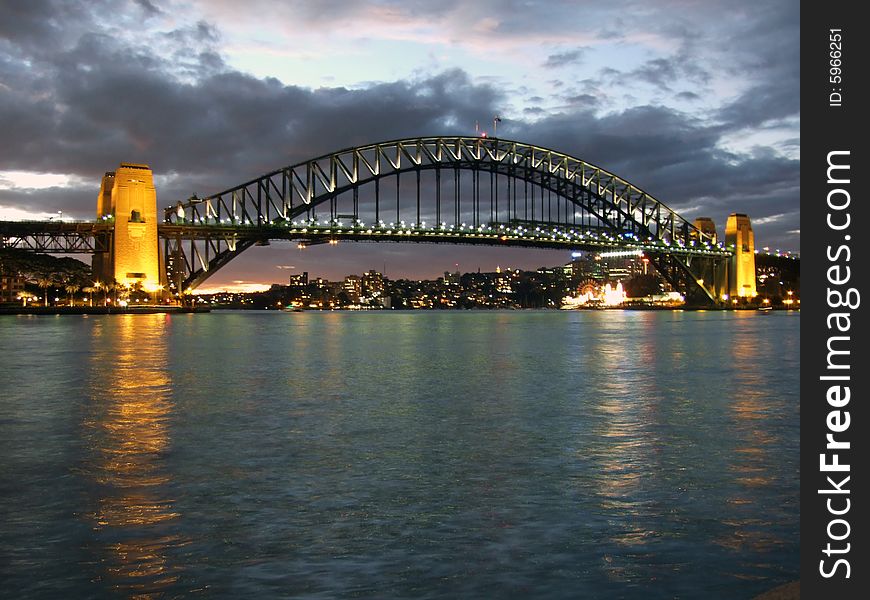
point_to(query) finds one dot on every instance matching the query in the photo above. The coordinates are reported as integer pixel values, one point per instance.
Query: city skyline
(697, 104)
(288, 272)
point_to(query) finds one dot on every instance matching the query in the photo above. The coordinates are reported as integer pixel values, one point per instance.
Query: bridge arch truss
(471, 190)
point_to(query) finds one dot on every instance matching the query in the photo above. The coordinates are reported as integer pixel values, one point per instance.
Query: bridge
(456, 190)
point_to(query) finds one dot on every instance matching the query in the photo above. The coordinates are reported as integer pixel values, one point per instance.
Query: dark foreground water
(518, 454)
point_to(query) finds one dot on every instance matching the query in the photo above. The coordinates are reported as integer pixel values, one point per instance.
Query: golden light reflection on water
(628, 447)
(128, 435)
(750, 463)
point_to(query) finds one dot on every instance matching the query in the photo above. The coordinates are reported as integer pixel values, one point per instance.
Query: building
(452, 278)
(11, 287)
(372, 284)
(741, 241)
(776, 276)
(128, 199)
(588, 266)
(299, 281)
(353, 287)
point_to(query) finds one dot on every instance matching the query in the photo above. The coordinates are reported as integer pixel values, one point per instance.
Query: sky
(695, 101)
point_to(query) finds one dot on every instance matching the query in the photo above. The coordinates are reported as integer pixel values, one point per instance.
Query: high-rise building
(588, 266)
(372, 284)
(128, 199)
(299, 281)
(353, 287)
(741, 241)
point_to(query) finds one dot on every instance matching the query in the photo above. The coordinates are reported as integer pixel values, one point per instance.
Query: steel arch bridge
(458, 190)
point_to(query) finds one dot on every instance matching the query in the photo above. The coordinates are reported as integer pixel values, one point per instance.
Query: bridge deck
(60, 237)
(496, 234)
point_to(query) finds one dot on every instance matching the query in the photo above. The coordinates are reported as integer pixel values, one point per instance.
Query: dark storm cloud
(24, 22)
(678, 161)
(766, 52)
(228, 127)
(77, 201)
(111, 102)
(77, 100)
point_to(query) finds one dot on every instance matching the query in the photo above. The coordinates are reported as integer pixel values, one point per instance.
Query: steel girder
(55, 237)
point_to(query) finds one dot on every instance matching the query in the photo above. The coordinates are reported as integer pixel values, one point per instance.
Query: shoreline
(97, 310)
(150, 310)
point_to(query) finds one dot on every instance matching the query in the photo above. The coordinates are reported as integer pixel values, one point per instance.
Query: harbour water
(521, 454)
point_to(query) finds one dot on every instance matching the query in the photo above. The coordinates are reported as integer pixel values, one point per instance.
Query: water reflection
(586, 455)
(627, 450)
(128, 435)
(752, 409)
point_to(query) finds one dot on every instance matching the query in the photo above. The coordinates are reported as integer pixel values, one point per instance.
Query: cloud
(690, 96)
(678, 161)
(79, 98)
(561, 59)
(583, 101)
(768, 219)
(149, 7)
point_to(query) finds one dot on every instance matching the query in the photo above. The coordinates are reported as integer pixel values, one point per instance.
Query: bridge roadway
(91, 236)
(514, 233)
(56, 237)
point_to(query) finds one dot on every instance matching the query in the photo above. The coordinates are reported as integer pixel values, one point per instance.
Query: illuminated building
(299, 281)
(11, 287)
(128, 199)
(587, 266)
(740, 239)
(503, 284)
(373, 284)
(452, 278)
(353, 287)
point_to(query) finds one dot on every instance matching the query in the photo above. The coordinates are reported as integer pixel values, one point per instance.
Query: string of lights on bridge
(492, 231)
(488, 231)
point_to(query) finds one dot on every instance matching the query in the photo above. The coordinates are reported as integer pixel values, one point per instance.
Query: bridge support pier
(741, 275)
(128, 200)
